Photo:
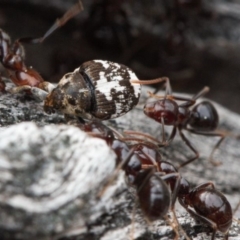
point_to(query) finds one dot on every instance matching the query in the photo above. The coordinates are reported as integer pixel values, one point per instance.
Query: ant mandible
(12, 56)
(202, 119)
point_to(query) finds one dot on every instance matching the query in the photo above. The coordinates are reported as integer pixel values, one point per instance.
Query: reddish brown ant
(12, 56)
(202, 119)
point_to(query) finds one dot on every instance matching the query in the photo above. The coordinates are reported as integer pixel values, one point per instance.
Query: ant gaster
(202, 119)
(208, 205)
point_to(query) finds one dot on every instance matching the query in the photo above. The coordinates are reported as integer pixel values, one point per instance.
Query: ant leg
(165, 142)
(2, 85)
(168, 89)
(200, 218)
(174, 196)
(205, 185)
(39, 93)
(226, 235)
(236, 208)
(141, 134)
(151, 140)
(190, 146)
(201, 93)
(188, 101)
(194, 98)
(20, 89)
(151, 81)
(154, 81)
(133, 221)
(46, 86)
(211, 134)
(154, 163)
(144, 137)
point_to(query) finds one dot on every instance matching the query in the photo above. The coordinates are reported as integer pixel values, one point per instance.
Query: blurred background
(193, 42)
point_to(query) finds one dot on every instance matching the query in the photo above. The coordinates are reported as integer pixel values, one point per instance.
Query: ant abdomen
(204, 117)
(213, 205)
(166, 110)
(207, 204)
(153, 194)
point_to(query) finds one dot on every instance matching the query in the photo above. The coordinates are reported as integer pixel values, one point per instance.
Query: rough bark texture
(51, 175)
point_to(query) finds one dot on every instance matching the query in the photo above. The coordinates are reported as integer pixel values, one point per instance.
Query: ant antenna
(73, 11)
(201, 93)
(152, 81)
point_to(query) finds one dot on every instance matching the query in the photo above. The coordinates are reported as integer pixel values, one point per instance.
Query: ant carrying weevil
(150, 176)
(98, 89)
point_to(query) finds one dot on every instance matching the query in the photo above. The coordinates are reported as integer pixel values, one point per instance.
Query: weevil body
(97, 89)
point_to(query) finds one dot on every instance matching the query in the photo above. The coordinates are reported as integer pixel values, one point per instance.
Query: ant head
(163, 111)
